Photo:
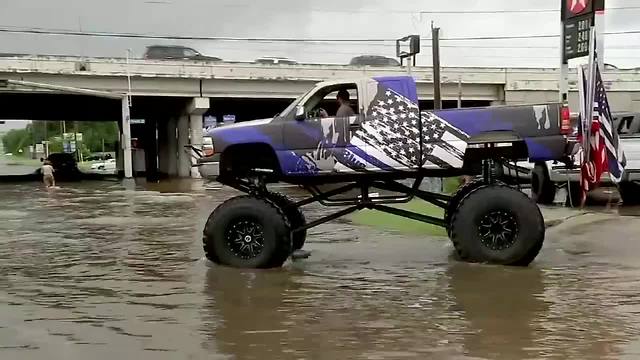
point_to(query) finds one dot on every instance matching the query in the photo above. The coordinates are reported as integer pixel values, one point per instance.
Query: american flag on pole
(392, 135)
(616, 160)
(604, 152)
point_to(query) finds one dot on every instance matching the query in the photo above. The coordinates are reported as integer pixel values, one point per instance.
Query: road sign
(210, 121)
(408, 46)
(72, 136)
(136, 121)
(69, 147)
(577, 19)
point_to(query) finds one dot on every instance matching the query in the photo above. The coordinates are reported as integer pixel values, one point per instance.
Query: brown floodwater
(102, 270)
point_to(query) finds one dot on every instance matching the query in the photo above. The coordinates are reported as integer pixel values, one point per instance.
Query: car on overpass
(274, 60)
(373, 60)
(170, 52)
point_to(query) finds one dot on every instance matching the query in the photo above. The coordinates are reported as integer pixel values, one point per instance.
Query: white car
(107, 165)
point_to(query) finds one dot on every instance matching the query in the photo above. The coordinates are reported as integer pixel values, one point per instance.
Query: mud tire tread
(468, 251)
(282, 246)
(294, 215)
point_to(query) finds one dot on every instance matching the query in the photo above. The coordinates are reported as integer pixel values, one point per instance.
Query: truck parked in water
(370, 132)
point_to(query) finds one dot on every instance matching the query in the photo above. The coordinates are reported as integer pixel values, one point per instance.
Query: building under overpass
(170, 98)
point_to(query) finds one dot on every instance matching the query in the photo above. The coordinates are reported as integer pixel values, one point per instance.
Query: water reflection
(501, 308)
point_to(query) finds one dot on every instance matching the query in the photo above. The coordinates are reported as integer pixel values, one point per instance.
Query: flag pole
(591, 88)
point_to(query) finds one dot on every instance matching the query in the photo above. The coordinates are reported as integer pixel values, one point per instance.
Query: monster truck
(386, 142)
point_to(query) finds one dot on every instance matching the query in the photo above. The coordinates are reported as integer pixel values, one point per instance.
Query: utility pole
(75, 139)
(564, 69)
(459, 91)
(45, 142)
(598, 7)
(435, 46)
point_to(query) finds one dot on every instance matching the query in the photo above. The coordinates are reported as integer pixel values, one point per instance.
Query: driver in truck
(344, 108)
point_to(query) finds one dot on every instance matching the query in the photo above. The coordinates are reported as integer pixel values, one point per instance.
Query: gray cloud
(306, 19)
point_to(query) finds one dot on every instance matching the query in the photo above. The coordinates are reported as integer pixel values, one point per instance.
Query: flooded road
(98, 270)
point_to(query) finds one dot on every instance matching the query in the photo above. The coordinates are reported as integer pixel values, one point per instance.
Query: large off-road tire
(247, 232)
(629, 193)
(294, 215)
(499, 225)
(452, 205)
(543, 190)
(462, 191)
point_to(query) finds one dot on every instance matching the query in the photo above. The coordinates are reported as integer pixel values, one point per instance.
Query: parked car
(107, 165)
(547, 177)
(64, 165)
(273, 60)
(374, 60)
(176, 52)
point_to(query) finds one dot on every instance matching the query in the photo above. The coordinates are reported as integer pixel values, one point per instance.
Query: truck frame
(387, 141)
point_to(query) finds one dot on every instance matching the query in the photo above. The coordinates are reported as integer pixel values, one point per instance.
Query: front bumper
(209, 167)
(561, 174)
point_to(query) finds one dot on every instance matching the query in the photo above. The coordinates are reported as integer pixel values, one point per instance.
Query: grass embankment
(393, 222)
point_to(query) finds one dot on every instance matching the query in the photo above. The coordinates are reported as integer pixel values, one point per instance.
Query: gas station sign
(577, 19)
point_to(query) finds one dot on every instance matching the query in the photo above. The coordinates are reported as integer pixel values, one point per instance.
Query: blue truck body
(389, 132)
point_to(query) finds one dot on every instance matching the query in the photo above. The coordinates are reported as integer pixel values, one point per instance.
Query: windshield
(295, 102)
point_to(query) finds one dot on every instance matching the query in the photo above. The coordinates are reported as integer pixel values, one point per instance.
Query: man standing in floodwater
(47, 174)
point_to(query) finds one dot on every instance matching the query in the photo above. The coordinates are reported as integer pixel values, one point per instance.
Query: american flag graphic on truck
(392, 132)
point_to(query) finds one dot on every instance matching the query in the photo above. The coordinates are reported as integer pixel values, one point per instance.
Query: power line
(528, 11)
(41, 31)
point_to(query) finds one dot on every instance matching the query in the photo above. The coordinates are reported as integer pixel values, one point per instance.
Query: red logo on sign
(577, 6)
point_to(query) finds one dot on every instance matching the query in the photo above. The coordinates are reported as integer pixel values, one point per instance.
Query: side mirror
(300, 112)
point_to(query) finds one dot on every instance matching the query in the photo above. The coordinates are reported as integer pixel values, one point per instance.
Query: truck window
(326, 98)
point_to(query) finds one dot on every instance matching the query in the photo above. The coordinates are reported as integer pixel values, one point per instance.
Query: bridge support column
(184, 163)
(126, 139)
(195, 110)
(172, 147)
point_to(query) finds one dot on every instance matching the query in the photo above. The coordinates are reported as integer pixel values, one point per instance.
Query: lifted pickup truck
(387, 140)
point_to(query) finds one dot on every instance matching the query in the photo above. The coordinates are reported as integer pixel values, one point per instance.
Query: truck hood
(220, 129)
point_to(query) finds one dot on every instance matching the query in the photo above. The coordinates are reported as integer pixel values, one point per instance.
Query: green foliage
(16, 139)
(93, 134)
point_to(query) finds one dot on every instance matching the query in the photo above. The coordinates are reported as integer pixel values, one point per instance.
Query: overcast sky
(312, 19)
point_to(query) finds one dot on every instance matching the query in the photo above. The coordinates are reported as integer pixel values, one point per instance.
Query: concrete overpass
(251, 81)
(172, 96)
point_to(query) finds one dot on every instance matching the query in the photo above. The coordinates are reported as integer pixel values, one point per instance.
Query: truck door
(321, 138)
(390, 132)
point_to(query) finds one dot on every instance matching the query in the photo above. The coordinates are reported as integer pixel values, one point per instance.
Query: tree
(16, 139)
